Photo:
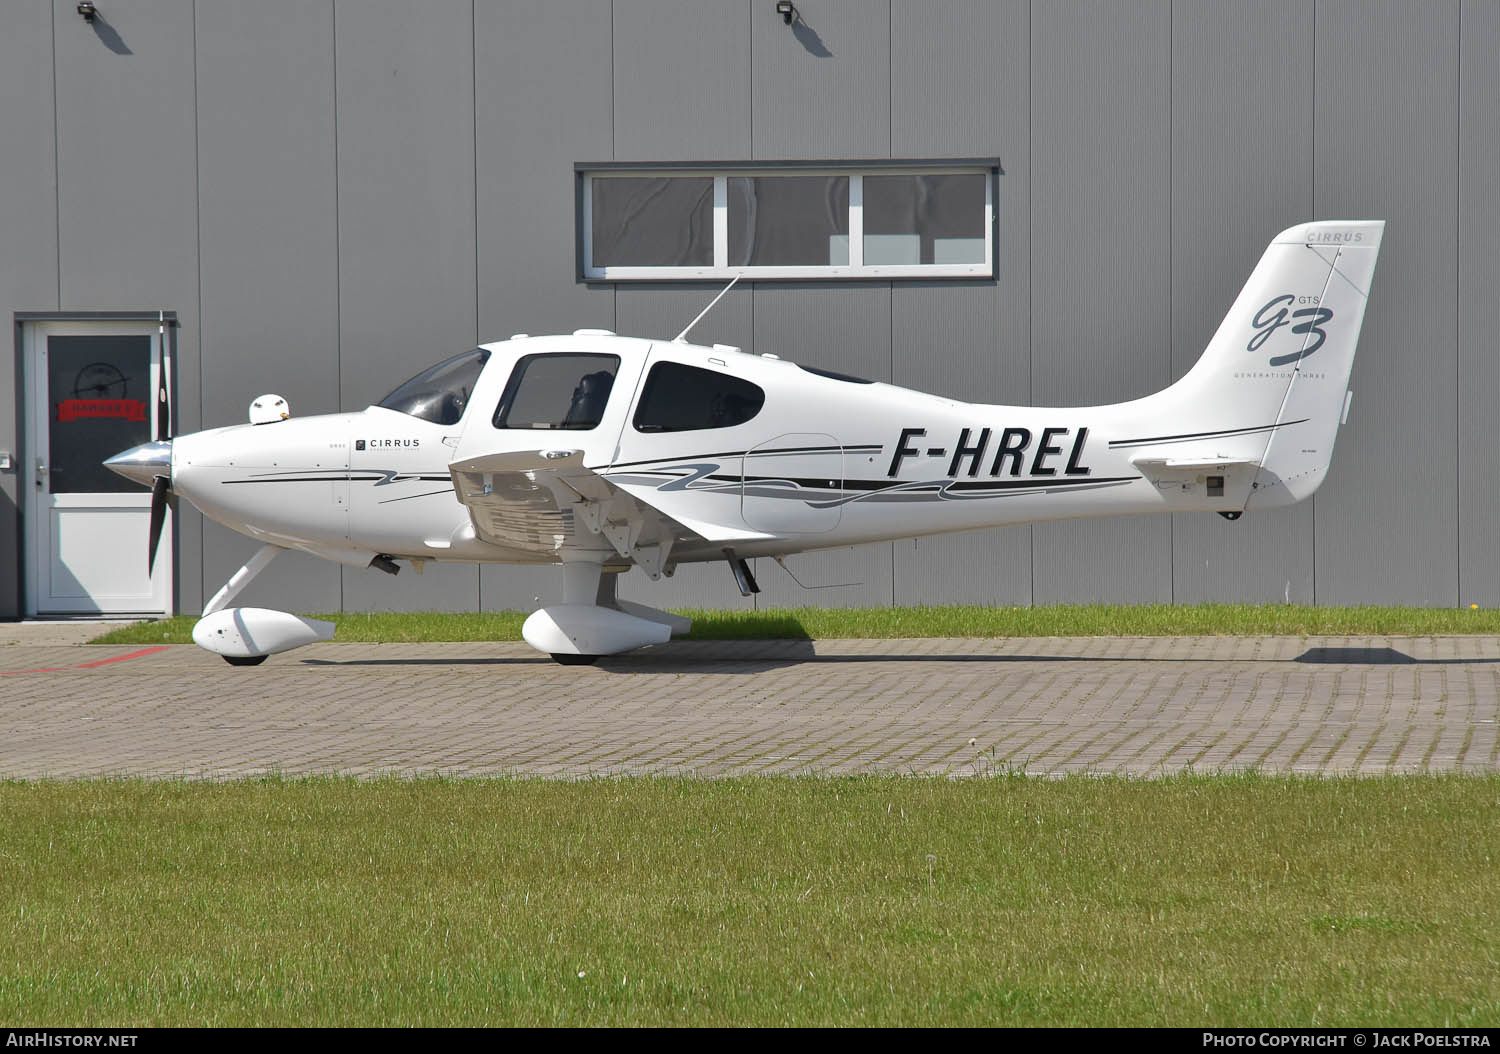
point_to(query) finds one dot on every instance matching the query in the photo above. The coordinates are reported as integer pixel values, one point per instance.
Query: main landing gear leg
(586, 624)
(582, 584)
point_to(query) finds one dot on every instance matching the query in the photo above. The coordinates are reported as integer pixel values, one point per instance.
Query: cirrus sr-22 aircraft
(604, 453)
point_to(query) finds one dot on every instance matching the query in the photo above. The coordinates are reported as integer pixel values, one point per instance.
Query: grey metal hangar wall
(332, 194)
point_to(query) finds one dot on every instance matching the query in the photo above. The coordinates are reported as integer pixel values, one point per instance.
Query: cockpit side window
(439, 393)
(557, 391)
(682, 398)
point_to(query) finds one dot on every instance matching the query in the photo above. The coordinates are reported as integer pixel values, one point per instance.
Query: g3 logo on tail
(1274, 315)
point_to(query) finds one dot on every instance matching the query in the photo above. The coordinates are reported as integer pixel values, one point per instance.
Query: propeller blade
(163, 404)
(159, 490)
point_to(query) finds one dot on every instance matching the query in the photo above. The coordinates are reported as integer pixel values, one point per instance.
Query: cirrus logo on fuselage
(386, 444)
(1278, 312)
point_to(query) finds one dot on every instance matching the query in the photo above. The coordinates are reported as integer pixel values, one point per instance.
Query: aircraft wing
(547, 500)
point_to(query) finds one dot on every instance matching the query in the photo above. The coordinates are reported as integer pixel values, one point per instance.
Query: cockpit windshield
(439, 393)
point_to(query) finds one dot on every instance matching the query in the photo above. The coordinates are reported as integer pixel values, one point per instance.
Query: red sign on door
(119, 409)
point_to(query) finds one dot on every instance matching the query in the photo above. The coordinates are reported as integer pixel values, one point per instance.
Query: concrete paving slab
(1139, 706)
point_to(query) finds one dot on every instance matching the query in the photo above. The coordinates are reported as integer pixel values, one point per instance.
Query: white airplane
(603, 453)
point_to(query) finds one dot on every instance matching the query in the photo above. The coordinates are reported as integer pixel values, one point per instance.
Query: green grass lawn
(1195, 900)
(1080, 620)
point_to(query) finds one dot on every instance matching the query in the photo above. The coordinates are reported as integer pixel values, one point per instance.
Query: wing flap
(547, 500)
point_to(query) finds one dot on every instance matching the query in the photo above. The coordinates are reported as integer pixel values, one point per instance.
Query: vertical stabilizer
(1272, 384)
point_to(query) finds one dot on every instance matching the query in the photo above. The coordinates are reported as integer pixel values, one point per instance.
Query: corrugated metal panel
(709, 585)
(293, 582)
(836, 326)
(440, 587)
(975, 567)
(1242, 149)
(406, 191)
(961, 86)
(660, 313)
(682, 79)
(959, 78)
(28, 203)
(128, 202)
(822, 86)
(519, 587)
(1387, 149)
(269, 236)
(127, 190)
(544, 98)
(406, 228)
(1479, 307)
(28, 230)
(856, 577)
(1101, 152)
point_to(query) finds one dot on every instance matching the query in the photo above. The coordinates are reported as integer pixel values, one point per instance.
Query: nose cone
(144, 463)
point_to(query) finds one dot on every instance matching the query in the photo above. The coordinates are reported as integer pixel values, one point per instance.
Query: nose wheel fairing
(245, 636)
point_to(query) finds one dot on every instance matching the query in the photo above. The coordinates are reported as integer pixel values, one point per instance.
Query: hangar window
(681, 398)
(557, 391)
(772, 220)
(655, 221)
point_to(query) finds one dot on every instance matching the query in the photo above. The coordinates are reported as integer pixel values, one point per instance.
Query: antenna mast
(681, 338)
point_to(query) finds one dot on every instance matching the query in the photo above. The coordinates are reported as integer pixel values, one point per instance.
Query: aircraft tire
(245, 660)
(574, 660)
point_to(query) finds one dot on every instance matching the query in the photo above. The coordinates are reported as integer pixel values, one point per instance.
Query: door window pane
(788, 221)
(653, 222)
(99, 400)
(924, 219)
(557, 391)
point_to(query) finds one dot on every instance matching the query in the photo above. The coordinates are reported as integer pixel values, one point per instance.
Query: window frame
(517, 376)
(722, 172)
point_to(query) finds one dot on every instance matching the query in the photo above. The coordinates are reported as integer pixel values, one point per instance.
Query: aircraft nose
(143, 463)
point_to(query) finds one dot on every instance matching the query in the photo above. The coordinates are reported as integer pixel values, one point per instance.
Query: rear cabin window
(679, 398)
(557, 391)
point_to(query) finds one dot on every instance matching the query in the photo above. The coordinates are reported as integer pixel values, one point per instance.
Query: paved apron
(955, 707)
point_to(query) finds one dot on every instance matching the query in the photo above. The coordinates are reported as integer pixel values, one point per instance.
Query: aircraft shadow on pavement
(539, 660)
(1377, 657)
(742, 657)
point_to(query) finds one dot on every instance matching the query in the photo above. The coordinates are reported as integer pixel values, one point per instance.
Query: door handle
(41, 472)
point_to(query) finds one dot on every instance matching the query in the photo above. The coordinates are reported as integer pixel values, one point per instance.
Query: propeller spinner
(150, 465)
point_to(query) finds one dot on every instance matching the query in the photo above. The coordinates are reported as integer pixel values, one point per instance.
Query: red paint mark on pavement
(121, 658)
(88, 665)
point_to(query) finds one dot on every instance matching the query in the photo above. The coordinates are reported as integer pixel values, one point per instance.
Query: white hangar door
(91, 392)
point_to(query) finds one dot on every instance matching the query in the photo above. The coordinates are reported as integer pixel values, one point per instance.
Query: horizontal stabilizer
(1193, 463)
(1192, 478)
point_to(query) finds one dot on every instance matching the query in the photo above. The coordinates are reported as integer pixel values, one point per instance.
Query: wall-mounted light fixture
(87, 11)
(788, 11)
